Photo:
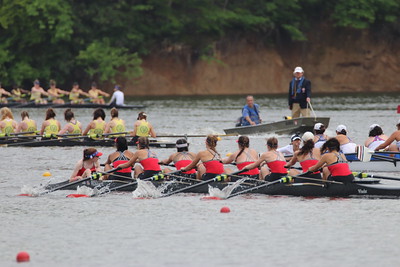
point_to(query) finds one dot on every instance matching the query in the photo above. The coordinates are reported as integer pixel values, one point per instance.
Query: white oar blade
(364, 154)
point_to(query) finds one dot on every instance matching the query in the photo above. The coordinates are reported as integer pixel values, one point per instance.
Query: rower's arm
(64, 130)
(103, 93)
(152, 132)
(75, 171)
(256, 163)
(193, 163)
(63, 92)
(168, 160)
(85, 132)
(43, 127)
(108, 128)
(391, 138)
(130, 163)
(229, 159)
(133, 133)
(292, 161)
(318, 166)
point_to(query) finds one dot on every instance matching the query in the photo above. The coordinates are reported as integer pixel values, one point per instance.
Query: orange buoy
(23, 256)
(225, 210)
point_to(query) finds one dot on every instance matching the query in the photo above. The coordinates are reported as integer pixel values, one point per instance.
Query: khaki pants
(296, 110)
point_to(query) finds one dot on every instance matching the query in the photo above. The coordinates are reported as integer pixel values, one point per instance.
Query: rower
(86, 166)
(243, 157)
(117, 98)
(27, 124)
(148, 160)
(75, 93)
(17, 94)
(3, 91)
(96, 127)
(37, 92)
(211, 161)
(142, 127)
(295, 141)
(274, 159)
(115, 125)
(181, 158)
(96, 95)
(122, 155)
(375, 137)
(55, 93)
(319, 135)
(308, 155)
(335, 162)
(395, 136)
(346, 145)
(73, 126)
(51, 126)
(7, 123)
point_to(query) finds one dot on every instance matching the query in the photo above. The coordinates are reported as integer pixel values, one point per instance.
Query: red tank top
(306, 164)
(82, 170)
(214, 166)
(150, 164)
(254, 171)
(121, 160)
(339, 169)
(277, 166)
(183, 163)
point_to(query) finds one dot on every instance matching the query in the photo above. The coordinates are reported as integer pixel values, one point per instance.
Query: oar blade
(76, 195)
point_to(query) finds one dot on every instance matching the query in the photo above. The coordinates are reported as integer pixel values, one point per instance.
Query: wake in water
(35, 190)
(146, 189)
(226, 191)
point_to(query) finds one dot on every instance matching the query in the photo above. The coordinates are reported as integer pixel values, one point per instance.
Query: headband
(181, 145)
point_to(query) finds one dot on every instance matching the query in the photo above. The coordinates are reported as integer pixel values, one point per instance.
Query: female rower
(37, 92)
(148, 160)
(27, 125)
(73, 126)
(75, 93)
(7, 123)
(395, 136)
(17, 94)
(115, 125)
(4, 92)
(96, 127)
(142, 127)
(181, 158)
(274, 159)
(122, 155)
(308, 156)
(55, 93)
(96, 95)
(243, 157)
(376, 137)
(51, 126)
(346, 145)
(335, 162)
(320, 136)
(86, 166)
(211, 159)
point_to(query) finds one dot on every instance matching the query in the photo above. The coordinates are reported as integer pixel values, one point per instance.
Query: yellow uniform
(31, 127)
(98, 129)
(8, 127)
(76, 130)
(119, 127)
(36, 96)
(52, 128)
(74, 97)
(16, 94)
(143, 129)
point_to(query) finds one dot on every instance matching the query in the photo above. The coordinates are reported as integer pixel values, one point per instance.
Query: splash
(30, 190)
(147, 189)
(84, 190)
(226, 191)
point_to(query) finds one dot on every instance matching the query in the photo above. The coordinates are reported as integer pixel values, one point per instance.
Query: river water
(183, 230)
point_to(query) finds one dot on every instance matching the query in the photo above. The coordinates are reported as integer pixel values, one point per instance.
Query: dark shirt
(299, 91)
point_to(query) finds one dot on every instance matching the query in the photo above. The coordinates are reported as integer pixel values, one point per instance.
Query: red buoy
(225, 210)
(22, 256)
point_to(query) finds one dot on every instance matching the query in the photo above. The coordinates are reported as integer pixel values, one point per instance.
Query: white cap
(373, 126)
(318, 126)
(298, 69)
(398, 122)
(307, 136)
(295, 137)
(340, 128)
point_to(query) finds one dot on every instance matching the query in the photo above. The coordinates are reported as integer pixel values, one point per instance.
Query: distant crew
(17, 94)
(250, 113)
(346, 144)
(320, 137)
(288, 150)
(375, 137)
(73, 126)
(115, 125)
(51, 126)
(96, 95)
(27, 125)
(88, 165)
(96, 127)
(117, 97)
(37, 92)
(7, 123)
(395, 136)
(4, 92)
(142, 127)
(299, 94)
(55, 93)
(121, 156)
(75, 93)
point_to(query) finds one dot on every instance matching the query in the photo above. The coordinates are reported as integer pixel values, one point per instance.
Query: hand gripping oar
(367, 175)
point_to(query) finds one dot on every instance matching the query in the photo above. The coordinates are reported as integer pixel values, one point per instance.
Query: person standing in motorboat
(299, 94)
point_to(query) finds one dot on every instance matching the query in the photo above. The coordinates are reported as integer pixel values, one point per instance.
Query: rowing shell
(68, 105)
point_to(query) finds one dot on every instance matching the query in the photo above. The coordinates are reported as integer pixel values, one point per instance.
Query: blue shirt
(253, 113)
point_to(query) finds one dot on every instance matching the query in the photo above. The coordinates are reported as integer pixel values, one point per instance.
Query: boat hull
(68, 105)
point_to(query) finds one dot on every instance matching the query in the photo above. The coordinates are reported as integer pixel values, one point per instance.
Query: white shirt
(286, 150)
(118, 97)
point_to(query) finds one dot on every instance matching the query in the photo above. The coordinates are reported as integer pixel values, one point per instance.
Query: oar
(21, 133)
(193, 135)
(365, 154)
(367, 175)
(43, 141)
(108, 134)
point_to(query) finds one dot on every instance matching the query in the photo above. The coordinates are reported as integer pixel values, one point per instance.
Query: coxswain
(319, 135)
(115, 125)
(117, 98)
(17, 94)
(295, 141)
(181, 158)
(96, 127)
(7, 123)
(88, 165)
(27, 125)
(51, 126)
(274, 159)
(73, 126)
(122, 155)
(75, 93)
(37, 92)
(148, 160)
(243, 157)
(395, 136)
(55, 93)
(346, 145)
(334, 161)
(308, 155)
(375, 137)
(3, 91)
(96, 95)
(211, 161)
(142, 127)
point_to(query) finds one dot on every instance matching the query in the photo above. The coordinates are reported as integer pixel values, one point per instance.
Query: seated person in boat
(96, 127)
(243, 157)
(86, 166)
(307, 156)
(37, 92)
(17, 94)
(395, 136)
(75, 93)
(335, 162)
(3, 92)
(250, 113)
(181, 158)
(73, 126)
(295, 141)
(274, 160)
(147, 159)
(27, 125)
(142, 127)
(115, 125)
(122, 155)
(51, 126)
(211, 161)
(319, 135)
(55, 93)
(96, 95)
(7, 123)
(117, 97)
(375, 137)
(346, 144)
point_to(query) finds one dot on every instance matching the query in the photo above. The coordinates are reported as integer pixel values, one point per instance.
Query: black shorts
(311, 175)
(344, 179)
(148, 174)
(273, 176)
